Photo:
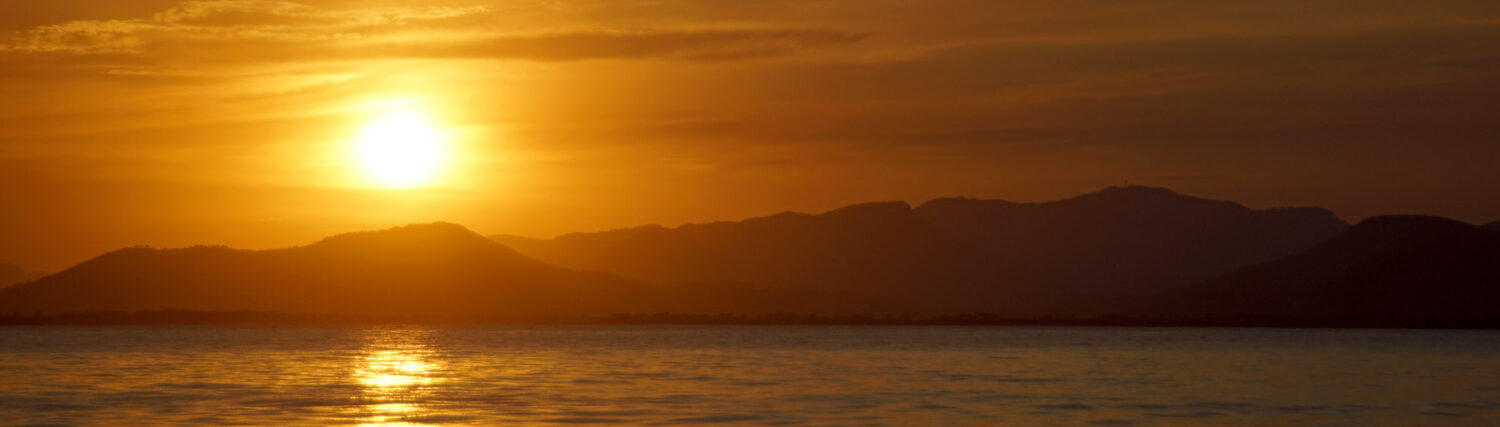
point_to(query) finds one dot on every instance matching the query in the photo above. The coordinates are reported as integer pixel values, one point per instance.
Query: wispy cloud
(267, 30)
(224, 20)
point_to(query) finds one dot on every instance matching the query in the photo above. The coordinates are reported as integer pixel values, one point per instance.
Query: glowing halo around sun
(401, 148)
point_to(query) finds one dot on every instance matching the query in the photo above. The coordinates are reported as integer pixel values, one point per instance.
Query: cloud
(279, 31)
(677, 44)
(201, 11)
(227, 21)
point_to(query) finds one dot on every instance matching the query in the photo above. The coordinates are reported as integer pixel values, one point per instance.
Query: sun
(400, 148)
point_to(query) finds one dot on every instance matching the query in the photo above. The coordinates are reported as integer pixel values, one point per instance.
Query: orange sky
(174, 123)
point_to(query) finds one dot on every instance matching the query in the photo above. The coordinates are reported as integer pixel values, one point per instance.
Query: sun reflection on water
(397, 374)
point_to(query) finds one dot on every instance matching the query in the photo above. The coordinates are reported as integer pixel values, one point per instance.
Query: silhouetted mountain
(429, 269)
(1494, 226)
(11, 274)
(882, 249)
(576, 248)
(1392, 266)
(961, 254)
(1123, 239)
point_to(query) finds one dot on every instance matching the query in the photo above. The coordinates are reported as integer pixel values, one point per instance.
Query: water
(812, 375)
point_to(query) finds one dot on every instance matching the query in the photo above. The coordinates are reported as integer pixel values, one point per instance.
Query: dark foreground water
(815, 375)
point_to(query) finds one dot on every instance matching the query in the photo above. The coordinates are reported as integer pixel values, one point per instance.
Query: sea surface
(753, 375)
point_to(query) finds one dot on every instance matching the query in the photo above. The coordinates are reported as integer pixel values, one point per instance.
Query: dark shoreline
(246, 318)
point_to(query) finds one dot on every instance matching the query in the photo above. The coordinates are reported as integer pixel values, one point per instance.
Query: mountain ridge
(985, 254)
(423, 270)
(393, 270)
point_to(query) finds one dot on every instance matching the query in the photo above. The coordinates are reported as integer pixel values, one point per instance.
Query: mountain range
(1133, 251)
(960, 254)
(435, 269)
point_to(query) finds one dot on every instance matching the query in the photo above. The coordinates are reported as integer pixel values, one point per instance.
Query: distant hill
(11, 274)
(1494, 226)
(427, 270)
(961, 254)
(1393, 266)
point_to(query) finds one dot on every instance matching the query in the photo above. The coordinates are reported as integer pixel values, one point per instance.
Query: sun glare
(401, 149)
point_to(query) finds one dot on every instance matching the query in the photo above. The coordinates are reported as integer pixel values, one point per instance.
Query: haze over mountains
(960, 254)
(1135, 251)
(11, 274)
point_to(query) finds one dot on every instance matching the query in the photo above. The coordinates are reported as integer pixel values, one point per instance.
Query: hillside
(1393, 266)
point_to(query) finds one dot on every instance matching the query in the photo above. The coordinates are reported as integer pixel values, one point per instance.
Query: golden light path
(397, 376)
(400, 147)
